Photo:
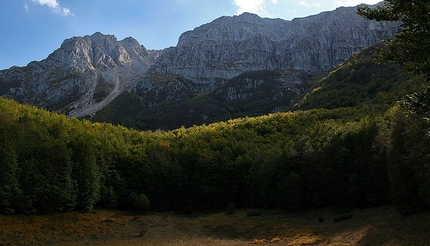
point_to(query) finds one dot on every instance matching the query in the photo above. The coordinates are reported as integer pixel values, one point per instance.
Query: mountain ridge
(87, 73)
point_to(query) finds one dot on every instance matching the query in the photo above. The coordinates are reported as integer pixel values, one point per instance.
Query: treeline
(292, 161)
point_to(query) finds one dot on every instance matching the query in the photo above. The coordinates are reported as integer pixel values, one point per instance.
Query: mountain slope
(249, 94)
(359, 81)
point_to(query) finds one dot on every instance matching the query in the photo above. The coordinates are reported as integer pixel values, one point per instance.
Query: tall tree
(410, 46)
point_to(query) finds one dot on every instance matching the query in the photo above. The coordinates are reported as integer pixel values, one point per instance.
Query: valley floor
(329, 226)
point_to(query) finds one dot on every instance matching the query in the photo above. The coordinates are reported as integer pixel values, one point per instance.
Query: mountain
(81, 77)
(87, 73)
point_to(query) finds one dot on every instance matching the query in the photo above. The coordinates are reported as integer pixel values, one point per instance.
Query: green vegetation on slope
(361, 81)
(293, 161)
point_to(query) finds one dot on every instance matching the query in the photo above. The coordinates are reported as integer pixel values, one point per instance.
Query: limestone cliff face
(228, 46)
(80, 77)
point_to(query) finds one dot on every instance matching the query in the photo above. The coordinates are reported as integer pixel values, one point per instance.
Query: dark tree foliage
(410, 46)
(408, 126)
(359, 81)
(418, 102)
(9, 184)
(409, 159)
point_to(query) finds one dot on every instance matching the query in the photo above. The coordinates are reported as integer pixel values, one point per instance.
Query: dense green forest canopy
(287, 160)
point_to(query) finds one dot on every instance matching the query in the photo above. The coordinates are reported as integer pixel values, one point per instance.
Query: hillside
(81, 77)
(360, 80)
(338, 146)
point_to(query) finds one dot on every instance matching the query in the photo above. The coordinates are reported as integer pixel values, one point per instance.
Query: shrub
(142, 203)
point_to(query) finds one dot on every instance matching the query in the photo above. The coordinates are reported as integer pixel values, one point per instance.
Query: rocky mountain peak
(248, 17)
(80, 77)
(98, 51)
(232, 29)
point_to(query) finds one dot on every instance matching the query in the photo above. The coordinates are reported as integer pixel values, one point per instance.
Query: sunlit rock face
(80, 77)
(228, 46)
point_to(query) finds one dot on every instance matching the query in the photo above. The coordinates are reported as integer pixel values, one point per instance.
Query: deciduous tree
(410, 45)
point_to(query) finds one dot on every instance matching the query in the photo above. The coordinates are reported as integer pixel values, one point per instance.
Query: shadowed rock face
(87, 73)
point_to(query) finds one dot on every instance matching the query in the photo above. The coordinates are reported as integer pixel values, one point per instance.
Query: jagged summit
(249, 18)
(234, 28)
(98, 50)
(82, 76)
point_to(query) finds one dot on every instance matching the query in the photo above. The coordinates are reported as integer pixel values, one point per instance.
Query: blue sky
(32, 29)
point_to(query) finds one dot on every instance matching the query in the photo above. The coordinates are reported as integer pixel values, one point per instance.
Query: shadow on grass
(375, 226)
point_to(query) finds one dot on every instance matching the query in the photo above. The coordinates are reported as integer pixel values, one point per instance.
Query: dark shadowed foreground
(376, 226)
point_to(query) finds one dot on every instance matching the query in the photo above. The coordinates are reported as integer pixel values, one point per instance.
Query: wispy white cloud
(26, 8)
(54, 5)
(66, 11)
(50, 3)
(253, 6)
(354, 2)
(309, 5)
(274, 1)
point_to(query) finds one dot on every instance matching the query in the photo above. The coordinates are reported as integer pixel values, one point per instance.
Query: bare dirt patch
(376, 226)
